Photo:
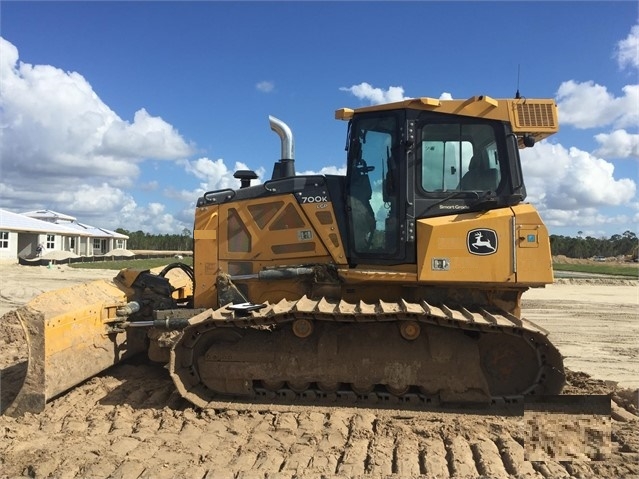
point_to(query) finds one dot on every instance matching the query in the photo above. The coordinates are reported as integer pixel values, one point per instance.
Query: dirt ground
(129, 422)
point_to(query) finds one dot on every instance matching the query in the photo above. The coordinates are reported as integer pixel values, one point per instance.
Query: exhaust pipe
(285, 167)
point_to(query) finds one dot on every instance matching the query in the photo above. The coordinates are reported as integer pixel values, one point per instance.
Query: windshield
(459, 157)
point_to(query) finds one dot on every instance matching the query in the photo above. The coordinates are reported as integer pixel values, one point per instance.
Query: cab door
(374, 189)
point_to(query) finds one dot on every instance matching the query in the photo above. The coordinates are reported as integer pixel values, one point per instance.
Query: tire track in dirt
(434, 456)
(406, 457)
(381, 453)
(360, 434)
(487, 459)
(129, 423)
(512, 454)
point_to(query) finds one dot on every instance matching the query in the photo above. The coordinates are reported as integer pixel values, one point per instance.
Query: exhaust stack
(285, 167)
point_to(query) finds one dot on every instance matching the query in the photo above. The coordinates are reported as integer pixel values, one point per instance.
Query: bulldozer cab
(407, 164)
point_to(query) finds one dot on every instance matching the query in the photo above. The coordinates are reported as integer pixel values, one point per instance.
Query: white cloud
(152, 217)
(94, 200)
(150, 186)
(99, 205)
(106, 207)
(590, 220)
(627, 51)
(618, 144)
(63, 148)
(376, 96)
(572, 180)
(635, 219)
(326, 170)
(146, 137)
(216, 174)
(265, 86)
(53, 120)
(589, 105)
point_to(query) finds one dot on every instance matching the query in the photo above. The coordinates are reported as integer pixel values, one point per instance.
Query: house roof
(17, 222)
(59, 223)
(95, 231)
(71, 222)
(49, 215)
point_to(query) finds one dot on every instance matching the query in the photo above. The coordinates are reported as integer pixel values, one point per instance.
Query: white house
(21, 234)
(90, 240)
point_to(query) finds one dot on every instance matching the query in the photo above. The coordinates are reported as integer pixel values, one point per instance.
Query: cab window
(459, 157)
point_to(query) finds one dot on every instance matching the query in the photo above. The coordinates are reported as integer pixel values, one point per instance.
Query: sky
(123, 113)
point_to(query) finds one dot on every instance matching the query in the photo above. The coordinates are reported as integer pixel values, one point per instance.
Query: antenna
(517, 95)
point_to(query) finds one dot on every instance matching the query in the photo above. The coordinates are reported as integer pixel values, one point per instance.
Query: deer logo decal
(481, 242)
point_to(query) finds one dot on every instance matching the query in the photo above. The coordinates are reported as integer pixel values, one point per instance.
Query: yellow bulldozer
(398, 282)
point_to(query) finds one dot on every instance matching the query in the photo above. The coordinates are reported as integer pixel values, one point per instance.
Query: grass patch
(630, 270)
(149, 263)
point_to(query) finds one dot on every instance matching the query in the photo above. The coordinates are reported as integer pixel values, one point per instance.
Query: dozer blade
(70, 338)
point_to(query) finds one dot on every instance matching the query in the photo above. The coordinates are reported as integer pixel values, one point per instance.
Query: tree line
(158, 242)
(625, 244)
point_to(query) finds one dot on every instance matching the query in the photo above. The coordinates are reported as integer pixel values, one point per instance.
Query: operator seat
(479, 176)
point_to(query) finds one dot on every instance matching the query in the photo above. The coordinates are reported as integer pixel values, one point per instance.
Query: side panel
(244, 237)
(499, 247)
(205, 256)
(470, 247)
(534, 259)
(275, 232)
(266, 232)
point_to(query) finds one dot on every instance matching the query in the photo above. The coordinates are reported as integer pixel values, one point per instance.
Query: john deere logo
(482, 242)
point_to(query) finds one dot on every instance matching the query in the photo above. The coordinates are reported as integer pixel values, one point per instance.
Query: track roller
(362, 388)
(397, 390)
(328, 387)
(298, 387)
(409, 330)
(273, 385)
(302, 328)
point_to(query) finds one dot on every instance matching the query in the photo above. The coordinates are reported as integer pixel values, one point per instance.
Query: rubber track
(456, 317)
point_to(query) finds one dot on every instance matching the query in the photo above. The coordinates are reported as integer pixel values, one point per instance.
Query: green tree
(580, 247)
